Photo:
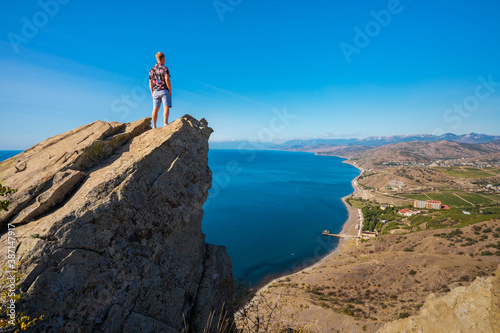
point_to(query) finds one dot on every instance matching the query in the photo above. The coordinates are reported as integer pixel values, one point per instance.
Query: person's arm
(151, 86)
(169, 84)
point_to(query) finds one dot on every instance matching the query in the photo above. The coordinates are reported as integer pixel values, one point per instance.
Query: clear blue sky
(88, 60)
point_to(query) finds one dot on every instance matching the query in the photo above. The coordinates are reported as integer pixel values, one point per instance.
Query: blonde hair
(160, 56)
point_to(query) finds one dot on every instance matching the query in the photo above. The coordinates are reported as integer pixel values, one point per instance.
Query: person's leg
(166, 110)
(156, 107)
(167, 103)
(155, 116)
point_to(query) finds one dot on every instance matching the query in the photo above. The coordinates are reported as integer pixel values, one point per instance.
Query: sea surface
(269, 208)
(5, 154)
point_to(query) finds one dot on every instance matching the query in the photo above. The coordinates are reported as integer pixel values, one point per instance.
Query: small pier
(327, 233)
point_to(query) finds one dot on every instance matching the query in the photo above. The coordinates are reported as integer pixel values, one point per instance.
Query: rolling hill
(413, 152)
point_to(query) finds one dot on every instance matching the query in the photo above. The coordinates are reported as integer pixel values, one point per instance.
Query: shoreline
(348, 228)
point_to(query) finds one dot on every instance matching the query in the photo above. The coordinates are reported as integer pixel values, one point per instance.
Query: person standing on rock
(161, 89)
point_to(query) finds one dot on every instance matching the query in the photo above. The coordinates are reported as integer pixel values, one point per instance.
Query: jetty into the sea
(327, 233)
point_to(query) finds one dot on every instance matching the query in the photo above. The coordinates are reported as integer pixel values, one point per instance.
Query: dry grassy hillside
(425, 179)
(389, 277)
(410, 152)
(412, 177)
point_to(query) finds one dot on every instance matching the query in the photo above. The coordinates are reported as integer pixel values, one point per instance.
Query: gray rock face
(108, 220)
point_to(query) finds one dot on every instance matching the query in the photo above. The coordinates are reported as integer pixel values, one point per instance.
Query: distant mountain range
(414, 152)
(241, 144)
(373, 141)
(473, 138)
(372, 152)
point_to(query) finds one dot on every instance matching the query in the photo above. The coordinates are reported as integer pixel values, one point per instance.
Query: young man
(161, 89)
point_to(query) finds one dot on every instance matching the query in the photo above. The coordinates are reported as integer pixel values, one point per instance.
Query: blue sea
(269, 208)
(5, 154)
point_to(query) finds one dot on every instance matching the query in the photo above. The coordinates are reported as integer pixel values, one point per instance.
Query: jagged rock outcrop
(108, 223)
(475, 308)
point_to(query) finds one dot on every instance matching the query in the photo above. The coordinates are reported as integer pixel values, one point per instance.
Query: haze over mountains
(472, 138)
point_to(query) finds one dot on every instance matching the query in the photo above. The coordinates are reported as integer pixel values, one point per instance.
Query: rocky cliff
(108, 225)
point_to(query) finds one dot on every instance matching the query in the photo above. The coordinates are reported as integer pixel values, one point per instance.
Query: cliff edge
(108, 225)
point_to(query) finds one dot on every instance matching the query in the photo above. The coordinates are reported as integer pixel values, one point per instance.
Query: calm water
(5, 154)
(269, 209)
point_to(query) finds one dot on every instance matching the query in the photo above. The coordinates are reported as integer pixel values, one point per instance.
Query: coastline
(348, 228)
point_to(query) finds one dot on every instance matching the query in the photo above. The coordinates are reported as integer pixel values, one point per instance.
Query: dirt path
(491, 173)
(470, 203)
(492, 199)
